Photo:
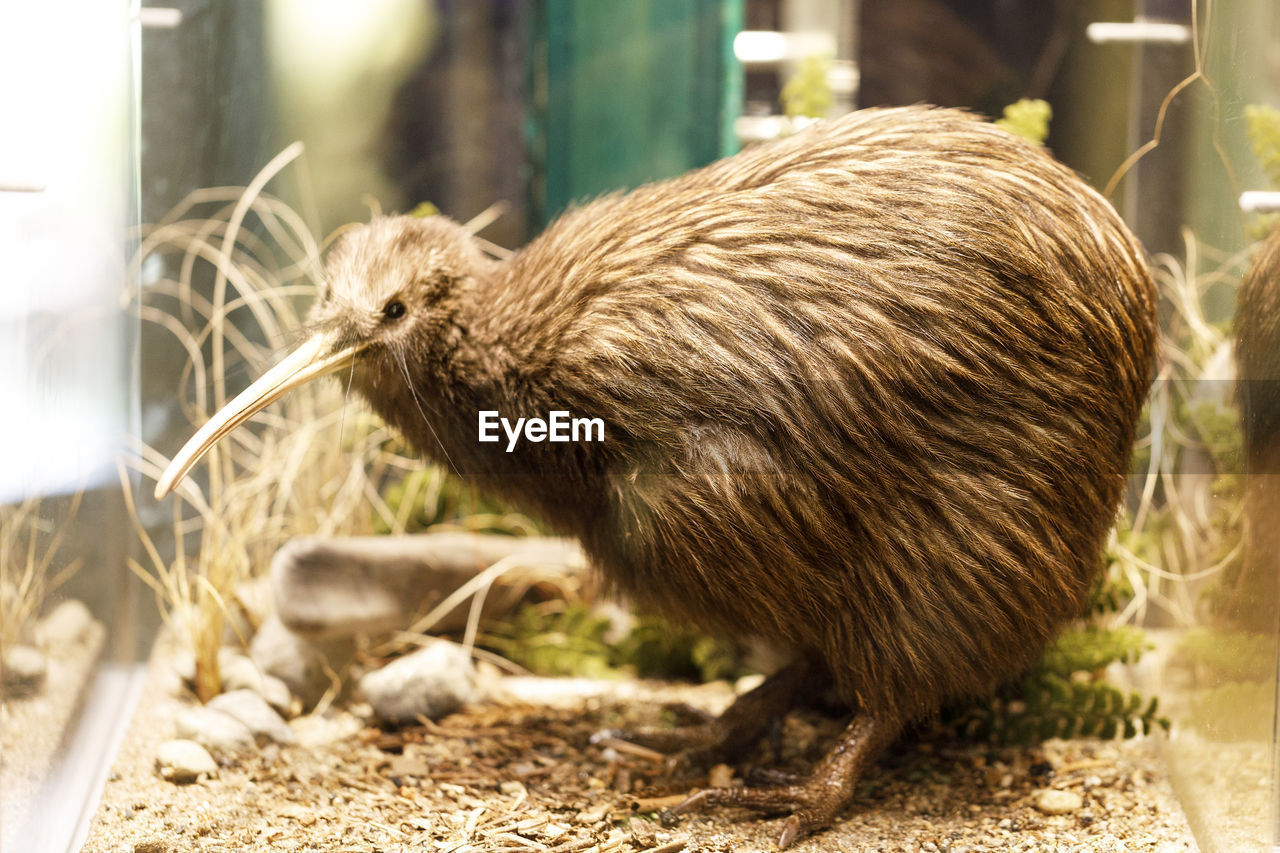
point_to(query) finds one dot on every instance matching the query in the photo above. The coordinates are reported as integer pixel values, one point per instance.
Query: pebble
(241, 673)
(1053, 801)
(721, 776)
(298, 662)
(65, 624)
(252, 710)
(433, 681)
(25, 669)
(182, 761)
(221, 734)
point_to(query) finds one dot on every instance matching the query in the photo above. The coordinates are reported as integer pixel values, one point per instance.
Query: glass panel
(66, 166)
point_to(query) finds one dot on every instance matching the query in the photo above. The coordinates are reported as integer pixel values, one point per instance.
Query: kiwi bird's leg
(814, 802)
(743, 723)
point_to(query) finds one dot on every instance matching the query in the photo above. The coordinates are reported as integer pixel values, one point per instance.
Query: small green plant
(1092, 648)
(1047, 705)
(569, 638)
(554, 638)
(808, 92)
(429, 498)
(1028, 118)
(658, 648)
(1263, 124)
(1065, 695)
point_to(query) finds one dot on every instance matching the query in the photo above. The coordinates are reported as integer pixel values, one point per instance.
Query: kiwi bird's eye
(393, 310)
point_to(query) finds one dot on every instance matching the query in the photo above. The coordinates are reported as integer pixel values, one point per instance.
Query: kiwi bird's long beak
(316, 357)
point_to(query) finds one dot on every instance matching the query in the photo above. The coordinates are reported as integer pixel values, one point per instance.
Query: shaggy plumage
(869, 391)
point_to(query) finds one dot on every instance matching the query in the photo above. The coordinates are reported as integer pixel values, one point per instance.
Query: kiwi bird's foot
(813, 802)
(725, 738)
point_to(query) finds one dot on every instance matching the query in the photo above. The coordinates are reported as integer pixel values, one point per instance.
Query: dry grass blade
(300, 467)
(29, 544)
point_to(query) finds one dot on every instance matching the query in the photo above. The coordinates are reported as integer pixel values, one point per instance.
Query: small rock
(1053, 801)
(152, 847)
(184, 666)
(252, 710)
(241, 673)
(252, 604)
(183, 761)
(300, 663)
(721, 776)
(433, 681)
(65, 624)
(220, 733)
(25, 669)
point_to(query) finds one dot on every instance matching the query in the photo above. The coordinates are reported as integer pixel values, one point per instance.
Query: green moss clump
(657, 648)
(554, 638)
(560, 638)
(1028, 118)
(808, 92)
(424, 209)
(428, 497)
(1263, 126)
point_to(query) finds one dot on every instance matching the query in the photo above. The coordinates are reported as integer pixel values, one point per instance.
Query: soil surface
(523, 775)
(34, 727)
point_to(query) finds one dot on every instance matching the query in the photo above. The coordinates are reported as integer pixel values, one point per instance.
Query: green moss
(1091, 649)
(808, 92)
(424, 209)
(559, 638)
(1028, 118)
(1263, 125)
(428, 497)
(554, 638)
(658, 648)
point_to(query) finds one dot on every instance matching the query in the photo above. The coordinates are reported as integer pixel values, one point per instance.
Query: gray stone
(25, 669)
(221, 734)
(1054, 801)
(183, 761)
(301, 664)
(338, 586)
(65, 624)
(241, 673)
(252, 710)
(433, 681)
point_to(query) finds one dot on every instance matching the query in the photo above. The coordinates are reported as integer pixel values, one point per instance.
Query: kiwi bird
(869, 393)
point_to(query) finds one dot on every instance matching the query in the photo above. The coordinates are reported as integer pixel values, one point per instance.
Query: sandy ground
(523, 776)
(33, 728)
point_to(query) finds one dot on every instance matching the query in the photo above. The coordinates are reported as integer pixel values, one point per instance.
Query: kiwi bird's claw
(767, 776)
(813, 806)
(790, 831)
(694, 802)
